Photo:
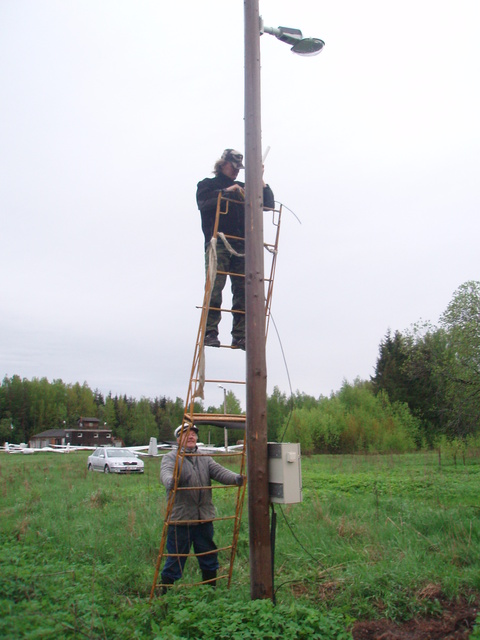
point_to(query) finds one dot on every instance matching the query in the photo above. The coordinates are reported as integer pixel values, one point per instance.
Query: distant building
(88, 433)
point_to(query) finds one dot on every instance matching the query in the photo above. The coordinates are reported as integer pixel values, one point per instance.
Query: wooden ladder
(196, 386)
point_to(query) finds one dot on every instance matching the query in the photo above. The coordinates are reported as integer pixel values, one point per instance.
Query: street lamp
(225, 432)
(301, 46)
(261, 580)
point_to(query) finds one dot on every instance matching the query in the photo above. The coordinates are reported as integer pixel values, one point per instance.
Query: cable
(288, 209)
(301, 545)
(316, 560)
(288, 376)
(280, 340)
(283, 353)
(273, 534)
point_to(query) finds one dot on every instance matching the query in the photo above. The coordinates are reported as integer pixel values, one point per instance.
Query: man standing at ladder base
(230, 252)
(193, 510)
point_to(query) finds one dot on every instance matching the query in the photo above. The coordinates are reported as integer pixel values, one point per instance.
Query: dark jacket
(197, 471)
(234, 222)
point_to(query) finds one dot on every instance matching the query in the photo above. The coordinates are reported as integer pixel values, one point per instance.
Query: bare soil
(455, 623)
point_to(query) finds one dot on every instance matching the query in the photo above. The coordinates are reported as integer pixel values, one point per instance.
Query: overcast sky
(111, 111)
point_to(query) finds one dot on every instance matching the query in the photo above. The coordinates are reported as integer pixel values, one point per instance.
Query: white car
(114, 460)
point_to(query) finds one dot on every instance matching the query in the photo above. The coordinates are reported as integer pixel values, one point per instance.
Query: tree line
(426, 388)
(425, 391)
(28, 407)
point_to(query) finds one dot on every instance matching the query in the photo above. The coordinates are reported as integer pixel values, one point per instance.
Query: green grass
(375, 536)
(386, 529)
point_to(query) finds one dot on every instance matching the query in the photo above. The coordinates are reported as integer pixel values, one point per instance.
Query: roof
(50, 433)
(61, 433)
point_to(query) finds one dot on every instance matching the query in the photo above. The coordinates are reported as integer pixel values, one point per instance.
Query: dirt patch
(455, 623)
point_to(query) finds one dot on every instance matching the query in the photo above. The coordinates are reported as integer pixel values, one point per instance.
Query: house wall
(90, 437)
(75, 437)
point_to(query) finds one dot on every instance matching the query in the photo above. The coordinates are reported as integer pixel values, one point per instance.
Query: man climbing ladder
(230, 253)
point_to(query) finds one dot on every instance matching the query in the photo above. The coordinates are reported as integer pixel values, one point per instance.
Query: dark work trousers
(233, 264)
(180, 539)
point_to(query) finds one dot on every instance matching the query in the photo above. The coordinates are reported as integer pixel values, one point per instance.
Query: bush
(355, 420)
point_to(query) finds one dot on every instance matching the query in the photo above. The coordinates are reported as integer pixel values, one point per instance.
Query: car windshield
(119, 453)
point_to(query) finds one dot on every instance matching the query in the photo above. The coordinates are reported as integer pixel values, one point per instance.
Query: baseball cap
(235, 157)
(182, 427)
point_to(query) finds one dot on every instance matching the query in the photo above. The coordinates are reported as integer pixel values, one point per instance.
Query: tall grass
(381, 529)
(374, 536)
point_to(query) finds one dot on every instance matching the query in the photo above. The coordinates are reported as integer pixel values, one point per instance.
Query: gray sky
(113, 110)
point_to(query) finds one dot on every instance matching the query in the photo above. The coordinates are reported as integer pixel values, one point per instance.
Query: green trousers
(232, 264)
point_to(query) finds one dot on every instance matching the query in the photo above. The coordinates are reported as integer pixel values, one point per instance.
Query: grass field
(375, 536)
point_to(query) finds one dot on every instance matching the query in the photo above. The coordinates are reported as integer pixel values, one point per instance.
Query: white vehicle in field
(114, 460)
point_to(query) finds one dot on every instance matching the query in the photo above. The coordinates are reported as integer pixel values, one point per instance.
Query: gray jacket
(197, 471)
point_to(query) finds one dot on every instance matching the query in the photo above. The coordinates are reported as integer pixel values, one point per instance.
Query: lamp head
(308, 47)
(300, 45)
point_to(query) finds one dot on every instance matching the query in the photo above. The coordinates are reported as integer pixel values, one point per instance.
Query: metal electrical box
(284, 472)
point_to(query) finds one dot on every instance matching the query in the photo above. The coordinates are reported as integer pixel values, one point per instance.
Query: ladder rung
(195, 555)
(221, 309)
(231, 273)
(233, 237)
(182, 585)
(200, 521)
(212, 486)
(226, 346)
(219, 454)
(218, 420)
(220, 380)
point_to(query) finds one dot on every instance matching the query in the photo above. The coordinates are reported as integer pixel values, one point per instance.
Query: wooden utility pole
(261, 582)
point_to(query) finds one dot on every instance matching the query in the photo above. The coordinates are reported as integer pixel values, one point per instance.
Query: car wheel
(107, 469)
(90, 468)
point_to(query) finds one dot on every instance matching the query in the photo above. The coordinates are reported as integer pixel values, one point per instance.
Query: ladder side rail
(170, 503)
(238, 516)
(268, 301)
(273, 249)
(168, 511)
(159, 559)
(190, 399)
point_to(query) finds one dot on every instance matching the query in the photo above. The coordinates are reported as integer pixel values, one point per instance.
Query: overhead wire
(284, 206)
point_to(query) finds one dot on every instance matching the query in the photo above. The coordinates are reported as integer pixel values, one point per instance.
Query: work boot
(211, 339)
(166, 583)
(210, 575)
(238, 343)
